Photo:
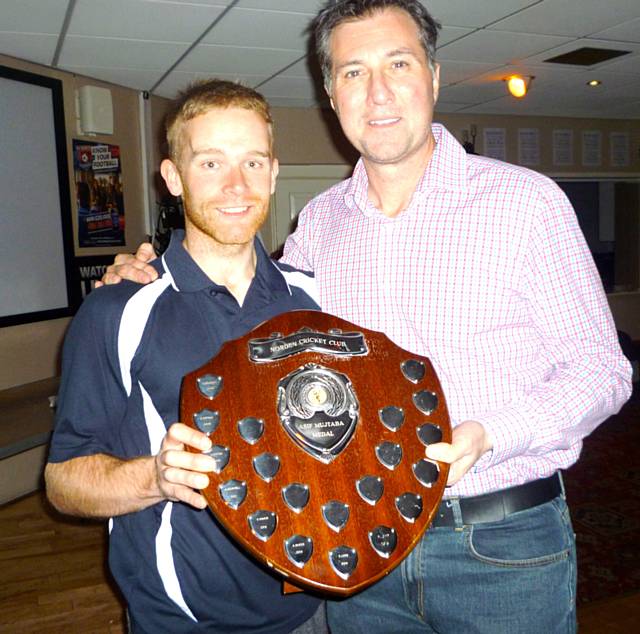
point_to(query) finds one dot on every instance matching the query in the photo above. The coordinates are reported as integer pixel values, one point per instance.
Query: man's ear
(326, 89)
(436, 82)
(275, 168)
(171, 177)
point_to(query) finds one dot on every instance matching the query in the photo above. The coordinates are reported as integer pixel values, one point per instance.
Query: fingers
(180, 473)
(131, 267)
(453, 455)
(145, 252)
(180, 434)
(469, 442)
(443, 452)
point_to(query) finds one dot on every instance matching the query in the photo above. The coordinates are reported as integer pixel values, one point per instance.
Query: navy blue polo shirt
(124, 357)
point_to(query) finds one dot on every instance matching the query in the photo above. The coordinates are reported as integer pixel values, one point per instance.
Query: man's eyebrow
(213, 151)
(396, 51)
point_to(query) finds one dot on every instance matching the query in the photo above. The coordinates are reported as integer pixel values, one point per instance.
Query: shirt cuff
(509, 432)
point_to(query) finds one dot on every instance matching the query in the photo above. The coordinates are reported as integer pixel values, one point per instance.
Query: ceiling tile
(292, 102)
(141, 20)
(178, 80)
(455, 72)
(491, 47)
(115, 53)
(299, 69)
(34, 47)
(135, 42)
(627, 32)
(262, 29)
(136, 79)
(451, 33)
(473, 14)
(472, 91)
(445, 106)
(297, 87)
(294, 6)
(566, 17)
(32, 16)
(629, 64)
(234, 59)
(573, 45)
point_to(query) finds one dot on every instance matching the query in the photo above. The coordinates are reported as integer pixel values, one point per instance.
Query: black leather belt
(495, 506)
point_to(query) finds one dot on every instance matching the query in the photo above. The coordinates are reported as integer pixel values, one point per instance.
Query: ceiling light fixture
(518, 85)
(594, 82)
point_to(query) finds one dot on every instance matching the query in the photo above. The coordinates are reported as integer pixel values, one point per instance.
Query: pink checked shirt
(486, 273)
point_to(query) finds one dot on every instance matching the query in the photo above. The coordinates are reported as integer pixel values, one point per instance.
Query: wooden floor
(53, 579)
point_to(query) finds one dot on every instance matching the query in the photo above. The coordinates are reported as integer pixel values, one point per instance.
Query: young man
(480, 266)
(115, 452)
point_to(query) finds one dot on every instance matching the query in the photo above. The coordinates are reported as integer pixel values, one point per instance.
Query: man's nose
(379, 89)
(235, 182)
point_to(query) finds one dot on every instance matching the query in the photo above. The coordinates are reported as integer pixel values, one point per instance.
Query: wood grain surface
(250, 389)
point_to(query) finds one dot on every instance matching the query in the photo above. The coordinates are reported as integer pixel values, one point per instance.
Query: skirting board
(21, 473)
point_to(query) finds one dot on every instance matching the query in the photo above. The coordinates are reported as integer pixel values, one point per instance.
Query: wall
(30, 351)
(301, 138)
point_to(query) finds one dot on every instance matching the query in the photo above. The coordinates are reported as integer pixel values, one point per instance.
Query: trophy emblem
(318, 409)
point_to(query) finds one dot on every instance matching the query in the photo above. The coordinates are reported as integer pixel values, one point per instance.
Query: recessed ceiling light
(594, 82)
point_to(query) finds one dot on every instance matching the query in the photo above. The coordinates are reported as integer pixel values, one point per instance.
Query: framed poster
(99, 199)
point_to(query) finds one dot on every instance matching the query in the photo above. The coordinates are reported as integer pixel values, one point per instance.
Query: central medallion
(318, 409)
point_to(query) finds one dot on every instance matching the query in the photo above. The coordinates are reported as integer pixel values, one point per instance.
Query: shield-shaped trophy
(319, 430)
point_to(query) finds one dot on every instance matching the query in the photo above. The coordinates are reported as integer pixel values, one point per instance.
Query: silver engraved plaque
(426, 472)
(206, 420)
(389, 454)
(251, 429)
(263, 524)
(220, 455)
(413, 370)
(370, 488)
(425, 401)
(344, 560)
(391, 417)
(318, 409)
(209, 385)
(266, 466)
(296, 496)
(410, 506)
(384, 540)
(336, 515)
(233, 492)
(299, 549)
(429, 434)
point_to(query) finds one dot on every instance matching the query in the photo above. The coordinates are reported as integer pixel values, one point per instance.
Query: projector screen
(36, 244)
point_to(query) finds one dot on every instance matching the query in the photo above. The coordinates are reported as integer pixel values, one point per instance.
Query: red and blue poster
(98, 179)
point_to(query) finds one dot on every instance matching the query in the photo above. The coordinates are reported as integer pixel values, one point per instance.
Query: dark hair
(336, 12)
(200, 97)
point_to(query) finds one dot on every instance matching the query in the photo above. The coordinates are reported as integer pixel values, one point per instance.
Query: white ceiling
(161, 45)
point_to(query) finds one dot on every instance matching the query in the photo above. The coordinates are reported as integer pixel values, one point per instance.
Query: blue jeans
(516, 576)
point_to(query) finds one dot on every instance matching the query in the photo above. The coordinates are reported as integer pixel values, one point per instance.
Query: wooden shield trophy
(319, 430)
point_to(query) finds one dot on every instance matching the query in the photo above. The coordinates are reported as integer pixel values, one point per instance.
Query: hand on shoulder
(131, 267)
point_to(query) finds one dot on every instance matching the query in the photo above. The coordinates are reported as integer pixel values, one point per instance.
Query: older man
(480, 266)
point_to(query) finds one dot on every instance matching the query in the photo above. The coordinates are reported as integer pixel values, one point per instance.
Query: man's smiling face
(225, 174)
(383, 87)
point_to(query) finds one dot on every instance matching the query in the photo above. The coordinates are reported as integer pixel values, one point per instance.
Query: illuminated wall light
(518, 85)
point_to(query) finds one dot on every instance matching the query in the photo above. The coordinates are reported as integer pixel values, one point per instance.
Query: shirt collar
(188, 277)
(447, 170)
